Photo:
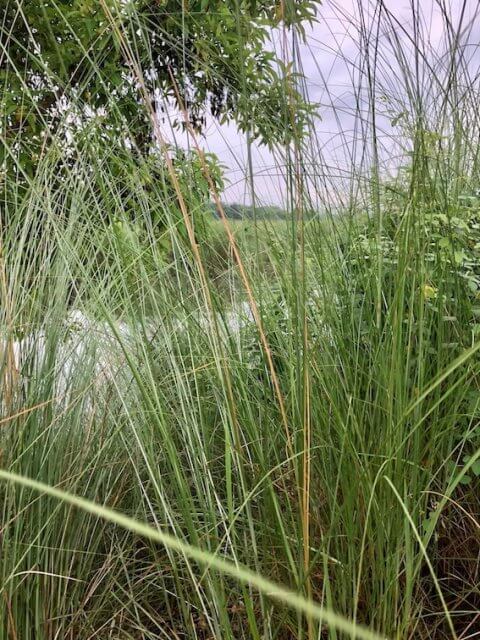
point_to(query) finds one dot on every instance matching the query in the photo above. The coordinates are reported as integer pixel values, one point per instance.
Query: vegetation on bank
(265, 429)
(236, 211)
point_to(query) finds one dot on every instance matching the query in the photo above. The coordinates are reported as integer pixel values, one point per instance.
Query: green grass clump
(251, 430)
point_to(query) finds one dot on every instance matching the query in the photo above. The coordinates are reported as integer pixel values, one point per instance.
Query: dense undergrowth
(296, 398)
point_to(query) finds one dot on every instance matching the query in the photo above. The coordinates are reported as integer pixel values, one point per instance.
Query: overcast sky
(330, 59)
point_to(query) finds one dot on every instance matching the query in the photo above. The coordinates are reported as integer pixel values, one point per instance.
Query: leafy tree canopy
(212, 55)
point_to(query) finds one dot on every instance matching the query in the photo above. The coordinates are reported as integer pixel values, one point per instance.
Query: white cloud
(334, 63)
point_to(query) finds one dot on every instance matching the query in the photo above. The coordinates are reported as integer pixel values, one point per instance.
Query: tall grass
(295, 470)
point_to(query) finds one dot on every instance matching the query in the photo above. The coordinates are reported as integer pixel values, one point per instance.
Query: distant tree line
(237, 211)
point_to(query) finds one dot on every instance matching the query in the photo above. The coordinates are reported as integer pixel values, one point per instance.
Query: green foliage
(447, 242)
(72, 60)
(424, 263)
(237, 211)
(156, 457)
